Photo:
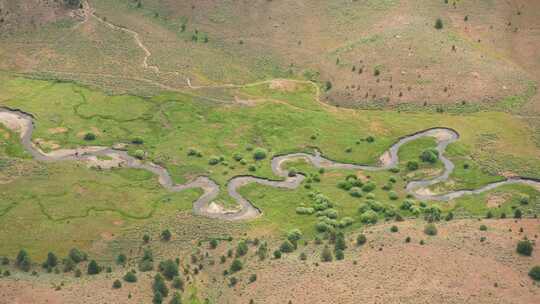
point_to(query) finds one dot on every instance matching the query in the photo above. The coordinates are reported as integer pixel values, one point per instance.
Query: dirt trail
(23, 124)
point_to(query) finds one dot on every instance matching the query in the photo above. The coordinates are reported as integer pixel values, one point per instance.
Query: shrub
(439, 24)
(277, 254)
(394, 228)
(412, 165)
(286, 247)
(166, 235)
(169, 269)
(158, 298)
(534, 273)
(294, 235)
(430, 229)
(236, 265)
(89, 136)
(214, 160)
(93, 268)
(130, 277)
(51, 261)
(137, 141)
(23, 261)
(524, 247)
(449, 216)
(326, 255)
(361, 239)
(159, 286)
(518, 214)
(406, 205)
(259, 153)
(252, 278)
(408, 239)
(524, 199)
(117, 284)
(370, 139)
(178, 283)
(176, 299)
(241, 248)
(339, 254)
(121, 259)
(346, 221)
(303, 256)
(430, 156)
(393, 195)
(369, 217)
(355, 192)
(345, 185)
(139, 154)
(305, 210)
(369, 186)
(483, 227)
(292, 172)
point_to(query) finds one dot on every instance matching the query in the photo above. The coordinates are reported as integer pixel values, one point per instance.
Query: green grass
(62, 195)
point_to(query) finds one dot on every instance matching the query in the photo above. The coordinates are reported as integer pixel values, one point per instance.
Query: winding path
(23, 123)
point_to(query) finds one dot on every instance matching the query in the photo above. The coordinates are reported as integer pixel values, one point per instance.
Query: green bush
(259, 154)
(89, 136)
(130, 277)
(534, 273)
(286, 247)
(93, 268)
(139, 154)
(326, 255)
(430, 156)
(361, 239)
(117, 284)
(369, 217)
(159, 285)
(393, 195)
(294, 235)
(339, 254)
(524, 247)
(178, 283)
(277, 254)
(166, 235)
(169, 269)
(412, 165)
(305, 210)
(439, 24)
(518, 214)
(369, 186)
(483, 228)
(430, 229)
(406, 205)
(176, 298)
(214, 160)
(23, 261)
(355, 192)
(241, 248)
(236, 266)
(394, 228)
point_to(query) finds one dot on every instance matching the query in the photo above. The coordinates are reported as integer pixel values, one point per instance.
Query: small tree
(117, 284)
(517, 213)
(51, 261)
(146, 238)
(236, 265)
(326, 255)
(121, 259)
(339, 254)
(439, 24)
(213, 243)
(483, 228)
(241, 248)
(340, 242)
(412, 165)
(394, 228)
(534, 273)
(130, 277)
(294, 235)
(166, 235)
(169, 269)
(23, 261)
(259, 154)
(89, 136)
(93, 268)
(430, 229)
(277, 254)
(524, 247)
(361, 239)
(176, 299)
(178, 283)
(253, 278)
(159, 285)
(158, 298)
(286, 247)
